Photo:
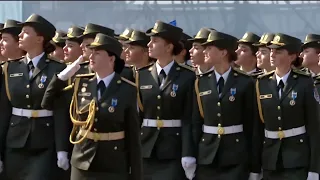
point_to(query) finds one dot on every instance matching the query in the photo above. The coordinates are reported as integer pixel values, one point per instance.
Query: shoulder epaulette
(206, 73)
(128, 81)
(145, 67)
(266, 74)
(68, 63)
(240, 71)
(55, 59)
(128, 65)
(301, 72)
(186, 67)
(257, 73)
(85, 75)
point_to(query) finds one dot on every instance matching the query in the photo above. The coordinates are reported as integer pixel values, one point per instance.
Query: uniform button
(218, 114)
(96, 120)
(264, 142)
(115, 148)
(279, 107)
(237, 140)
(158, 117)
(158, 107)
(48, 124)
(27, 96)
(141, 133)
(301, 140)
(97, 109)
(280, 128)
(28, 86)
(279, 118)
(29, 106)
(218, 104)
(219, 125)
(178, 134)
(159, 97)
(12, 124)
(202, 139)
(219, 136)
(95, 129)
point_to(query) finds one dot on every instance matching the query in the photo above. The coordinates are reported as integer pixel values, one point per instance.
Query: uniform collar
(106, 79)
(34, 60)
(284, 78)
(166, 68)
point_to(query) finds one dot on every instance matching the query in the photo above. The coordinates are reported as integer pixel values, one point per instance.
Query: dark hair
(229, 47)
(297, 62)
(177, 47)
(118, 63)
(61, 44)
(47, 46)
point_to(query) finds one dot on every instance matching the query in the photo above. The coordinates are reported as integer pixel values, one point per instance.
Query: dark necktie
(161, 76)
(280, 86)
(220, 84)
(101, 87)
(30, 66)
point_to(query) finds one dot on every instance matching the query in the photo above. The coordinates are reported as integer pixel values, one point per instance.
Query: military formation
(157, 104)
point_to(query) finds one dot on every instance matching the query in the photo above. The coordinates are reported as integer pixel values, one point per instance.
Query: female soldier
(165, 101)
(263, 53)
(136, 53)
(59, 42)
(287, 102)
(104, 113)
(32, 138)
(10, 40)
(223, 139)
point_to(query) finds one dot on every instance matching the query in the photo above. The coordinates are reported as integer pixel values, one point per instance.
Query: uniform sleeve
(186, 129)
(132, 131)
(197, 122)
(312, 125)
(257, 138)
(53, 90)
(5, 115)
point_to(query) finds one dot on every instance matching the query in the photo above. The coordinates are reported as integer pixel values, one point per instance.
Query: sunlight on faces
(213, 55)
(158, 47)
(281, 57)
(72, 51)
(309, 56)
(9, 45)
(58, 53)
(244, 53)
(86, 52)
(28, 38)
(196, 54)
(134, 53)
(263, 57)
(100, 59)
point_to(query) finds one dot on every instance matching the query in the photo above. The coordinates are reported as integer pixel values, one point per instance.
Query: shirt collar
(200, 72)
(34, 60)
(250, 72)
(166, 68)
(284, 78)
(224, 75)
(106, 79)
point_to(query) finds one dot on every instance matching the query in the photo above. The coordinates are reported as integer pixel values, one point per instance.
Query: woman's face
(9, 45)
(28, 38)
(158, 47)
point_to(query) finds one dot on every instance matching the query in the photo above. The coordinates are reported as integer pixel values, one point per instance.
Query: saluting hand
(70, 70)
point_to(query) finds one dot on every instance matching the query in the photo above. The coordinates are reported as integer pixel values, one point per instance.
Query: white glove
(189, 165)
(313, 176)
(1, 166)
(255, 176)
(63, 161)
(70, 70)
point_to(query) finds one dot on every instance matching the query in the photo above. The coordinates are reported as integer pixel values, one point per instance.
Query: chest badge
(43, 79)
(294, 97)
(173, 93)
(233, 92)
(114, 103)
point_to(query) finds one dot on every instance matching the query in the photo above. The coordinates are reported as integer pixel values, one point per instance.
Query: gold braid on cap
(75, 113)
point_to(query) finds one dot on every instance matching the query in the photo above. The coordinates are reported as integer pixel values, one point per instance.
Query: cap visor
(274, 46)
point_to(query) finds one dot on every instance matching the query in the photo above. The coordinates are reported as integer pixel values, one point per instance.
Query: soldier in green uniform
(247, 59)
(286, 137)
(10, 40)
(196, 52)
(223, 139)
(34, 140)
(263, 53)
(72, 50)
(59, 42)
(2, 59)
(124, 36)
(87, 37)
(165, 103)
(105, 118)
(310, 51)
(184, 56)
(136, 53)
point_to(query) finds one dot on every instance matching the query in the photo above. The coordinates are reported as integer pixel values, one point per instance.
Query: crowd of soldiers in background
(217, 108)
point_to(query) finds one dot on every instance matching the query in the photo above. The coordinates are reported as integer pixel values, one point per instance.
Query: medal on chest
(233, 92)
(114, 103)
(294, 97)
(43, 79)
(175, 87)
